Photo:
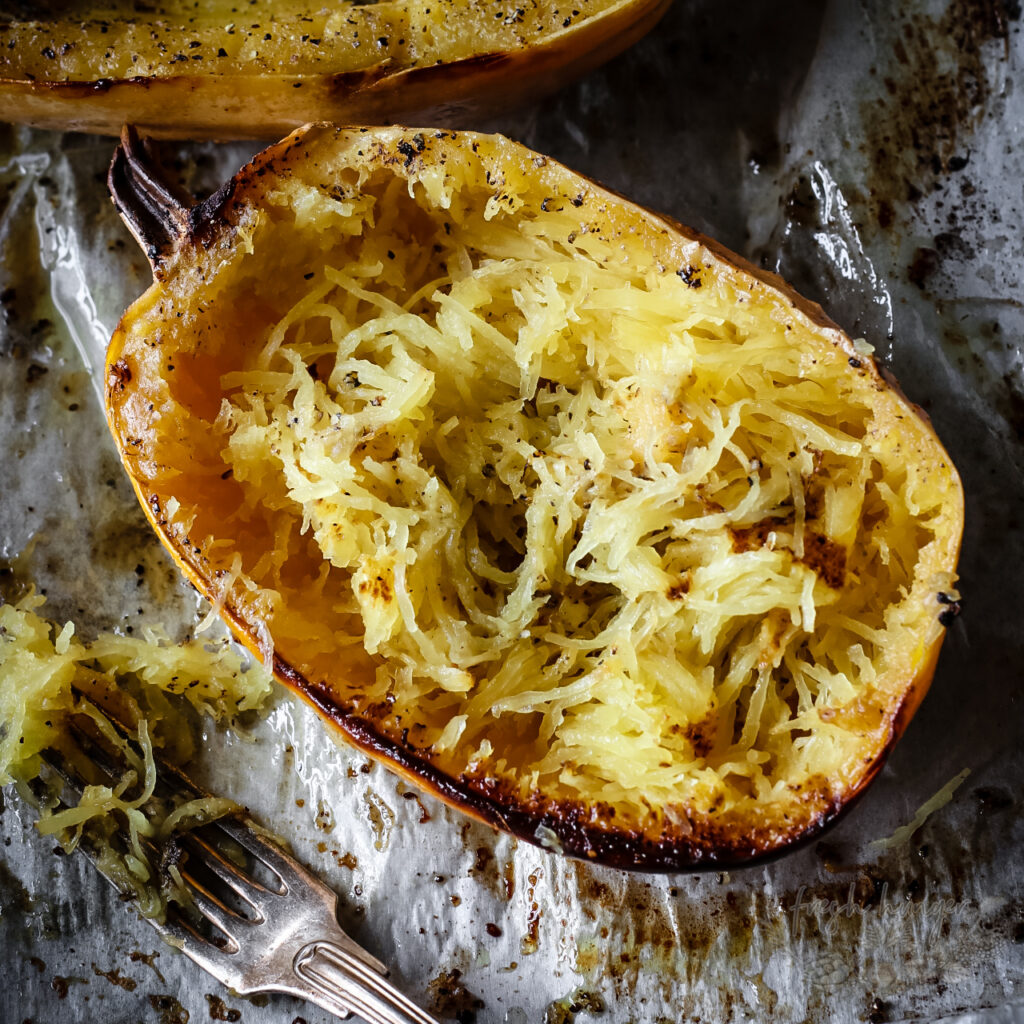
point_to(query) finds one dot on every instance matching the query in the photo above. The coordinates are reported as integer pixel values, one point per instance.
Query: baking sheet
(870, 152)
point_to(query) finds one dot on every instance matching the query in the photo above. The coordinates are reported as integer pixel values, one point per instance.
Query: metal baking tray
(872, 154)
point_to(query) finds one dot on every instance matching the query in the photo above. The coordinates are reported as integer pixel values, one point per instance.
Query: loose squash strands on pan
(44, 673)
(934, 803)
(577, 526)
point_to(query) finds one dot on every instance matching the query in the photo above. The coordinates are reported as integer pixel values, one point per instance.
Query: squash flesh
(215, 70)
(296, 38)
(587, 520)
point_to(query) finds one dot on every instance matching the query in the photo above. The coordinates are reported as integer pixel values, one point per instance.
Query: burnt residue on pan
(938, 81)
(169, 1009)
(680, 939)
(451, 999)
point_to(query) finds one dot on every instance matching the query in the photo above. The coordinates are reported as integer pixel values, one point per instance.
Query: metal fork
(288, 941)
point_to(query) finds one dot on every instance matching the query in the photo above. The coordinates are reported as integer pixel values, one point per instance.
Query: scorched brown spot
(750, 538)
(826, 558)
(120, 375)
(701, 735)
(378, 588)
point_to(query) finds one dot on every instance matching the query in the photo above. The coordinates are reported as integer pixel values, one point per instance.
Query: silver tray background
(873, 154)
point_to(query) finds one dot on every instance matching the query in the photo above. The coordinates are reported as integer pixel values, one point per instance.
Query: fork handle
(330, 976)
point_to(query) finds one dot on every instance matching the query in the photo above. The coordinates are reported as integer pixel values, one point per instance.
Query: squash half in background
(219, 69)
(564, 512)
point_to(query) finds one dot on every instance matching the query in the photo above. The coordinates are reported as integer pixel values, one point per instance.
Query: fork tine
(284, 866)
(166, 771)
(226, 920)
(249, 889)
(58, 763)
(207, 904)
(100, 757)
(95, 749)
(249, 952)
(71, 773)
(177, 932)
(232, 876)
(280, 863)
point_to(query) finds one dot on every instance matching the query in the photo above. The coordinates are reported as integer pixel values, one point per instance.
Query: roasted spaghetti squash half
(561, 510)
(225, 70)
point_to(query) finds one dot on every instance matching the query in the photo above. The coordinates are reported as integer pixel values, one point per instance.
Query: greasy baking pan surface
(861, 151)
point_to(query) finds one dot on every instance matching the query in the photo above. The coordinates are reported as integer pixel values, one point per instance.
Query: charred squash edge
(716, 849)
